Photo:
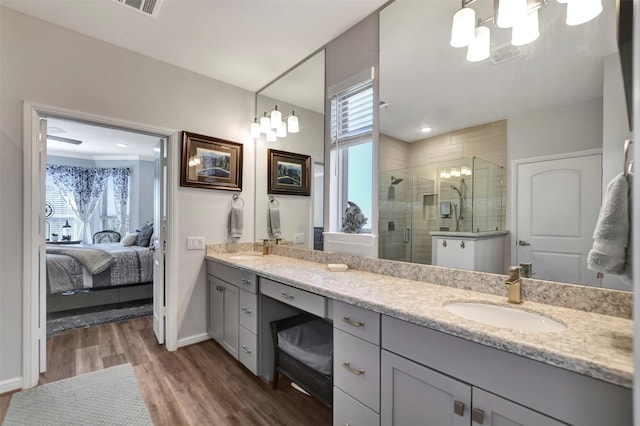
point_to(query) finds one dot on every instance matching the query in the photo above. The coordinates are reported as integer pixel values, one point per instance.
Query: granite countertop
(593, 344)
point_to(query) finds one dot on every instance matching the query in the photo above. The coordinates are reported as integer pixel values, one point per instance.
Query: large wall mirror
(291, 215)
(558, 98)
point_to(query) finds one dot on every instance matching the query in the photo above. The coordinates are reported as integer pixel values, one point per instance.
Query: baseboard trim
(11, 385)
(193, 339)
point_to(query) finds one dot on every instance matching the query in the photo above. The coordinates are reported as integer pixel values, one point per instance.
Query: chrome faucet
(514, 284)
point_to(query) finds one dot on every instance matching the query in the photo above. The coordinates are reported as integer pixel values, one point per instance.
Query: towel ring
(273, 200)
(627, 163)
(236, 197)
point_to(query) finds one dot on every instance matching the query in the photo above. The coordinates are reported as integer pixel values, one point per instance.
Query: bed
(97, 274)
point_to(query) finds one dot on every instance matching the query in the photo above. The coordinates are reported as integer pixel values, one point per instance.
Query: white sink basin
(503, 317)
(246, 257)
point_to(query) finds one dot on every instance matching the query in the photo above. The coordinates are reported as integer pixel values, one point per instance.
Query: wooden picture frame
(211, 163)
(289, 173)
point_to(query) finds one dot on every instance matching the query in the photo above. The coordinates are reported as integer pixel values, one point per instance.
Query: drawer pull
(286, 295)
(248, 311)
(477, 415)
(349, 321)
(358, 372)
(247, 350)
(458, 408)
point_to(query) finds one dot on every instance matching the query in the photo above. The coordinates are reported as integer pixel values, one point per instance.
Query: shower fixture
(395, 180)
(391, 194)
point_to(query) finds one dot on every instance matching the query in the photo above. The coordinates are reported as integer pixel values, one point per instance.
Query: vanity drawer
(241, 279)
(358, 321)
(301, 299)
(348, 411)
(247, 349)
(356, 368)
(248, 311)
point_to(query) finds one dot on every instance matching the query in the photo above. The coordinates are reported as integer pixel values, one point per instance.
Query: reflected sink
(504, 317)
(245, 256)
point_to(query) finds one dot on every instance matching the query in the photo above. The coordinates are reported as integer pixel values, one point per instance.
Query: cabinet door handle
(349, 321)
(444, 243)
(358, 372)
(246, 281)
(247, 350)
(461, 244)
(286, 295)
(458, 408)
(248, 311)
(477, 415)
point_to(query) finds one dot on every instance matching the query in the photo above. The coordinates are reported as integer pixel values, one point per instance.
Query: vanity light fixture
(272, 124)
(519, 15)
(455, 172)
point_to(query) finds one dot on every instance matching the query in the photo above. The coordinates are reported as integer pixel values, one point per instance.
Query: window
(352, 149)
(61, 213)
(108, 210)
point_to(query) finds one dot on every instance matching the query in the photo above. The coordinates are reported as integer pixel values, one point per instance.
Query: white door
(556, 212)
(42, 262)
(159, 239)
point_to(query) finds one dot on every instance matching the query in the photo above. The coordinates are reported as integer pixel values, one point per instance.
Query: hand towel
(235, 222)
(612, 235)
(273, 220)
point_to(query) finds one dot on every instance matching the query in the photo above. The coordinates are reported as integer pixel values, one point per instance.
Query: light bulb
(443, 173)
(281, 131)
(480, 47)
(526, 30)
(292, 124)
(579, 12)
(265, 124)
(463, 29)
(447, 175)
(276, 118)
(271, 136)
(255, 130)
(455, 172)
(510, 12)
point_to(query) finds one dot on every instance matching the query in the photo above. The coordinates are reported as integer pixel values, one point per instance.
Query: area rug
(81, 319)
(105, 397)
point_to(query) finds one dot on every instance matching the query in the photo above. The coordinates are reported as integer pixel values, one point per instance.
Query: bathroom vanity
(401, 358)
(474, 251)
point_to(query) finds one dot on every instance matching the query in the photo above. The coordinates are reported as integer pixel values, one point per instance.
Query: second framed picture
(289, 173)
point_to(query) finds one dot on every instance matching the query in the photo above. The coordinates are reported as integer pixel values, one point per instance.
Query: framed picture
(289, 173)
(211, 163)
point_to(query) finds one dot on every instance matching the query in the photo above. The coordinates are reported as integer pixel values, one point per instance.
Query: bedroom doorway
(141, 156)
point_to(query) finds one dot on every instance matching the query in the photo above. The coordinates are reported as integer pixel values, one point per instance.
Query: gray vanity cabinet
(233, 312)
(413, 394)
(223, 314)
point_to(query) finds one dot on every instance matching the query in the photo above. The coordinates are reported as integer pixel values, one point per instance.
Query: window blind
(352, 115)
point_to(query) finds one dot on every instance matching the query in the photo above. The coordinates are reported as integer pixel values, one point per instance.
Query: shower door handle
(407, 233)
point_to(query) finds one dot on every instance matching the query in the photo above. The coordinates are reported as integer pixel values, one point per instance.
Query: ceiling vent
(505, 52)
(148, 7)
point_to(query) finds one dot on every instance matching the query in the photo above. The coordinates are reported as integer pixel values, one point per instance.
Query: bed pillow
(144, 236)
(129, 239)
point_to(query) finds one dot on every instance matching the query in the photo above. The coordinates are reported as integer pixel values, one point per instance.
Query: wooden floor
(195, 385)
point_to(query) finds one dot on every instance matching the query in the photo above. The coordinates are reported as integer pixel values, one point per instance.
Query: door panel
(501, 412)
(558, 202)
(159, 238)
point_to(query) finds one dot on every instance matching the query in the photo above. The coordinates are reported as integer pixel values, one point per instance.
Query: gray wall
(49, 65)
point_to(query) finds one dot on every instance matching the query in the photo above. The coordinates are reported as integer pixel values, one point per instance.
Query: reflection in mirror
(301, 92)
(557, 101)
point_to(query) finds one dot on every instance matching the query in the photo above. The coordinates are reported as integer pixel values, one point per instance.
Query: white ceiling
(429, 83)
(246, 43)
(98, 142)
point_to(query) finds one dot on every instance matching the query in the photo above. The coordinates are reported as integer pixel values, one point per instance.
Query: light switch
(195, 243)
(298, 238)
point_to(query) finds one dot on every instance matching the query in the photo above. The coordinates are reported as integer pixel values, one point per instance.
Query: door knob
(523, 243)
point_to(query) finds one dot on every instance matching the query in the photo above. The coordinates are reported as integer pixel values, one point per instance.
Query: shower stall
(466, 196)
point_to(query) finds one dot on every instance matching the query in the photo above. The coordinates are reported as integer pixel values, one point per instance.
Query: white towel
(611, 251)
(235, 222)
(273, 220)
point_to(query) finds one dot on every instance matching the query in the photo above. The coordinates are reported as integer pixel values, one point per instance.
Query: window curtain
(81, 188)
(121, 195)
